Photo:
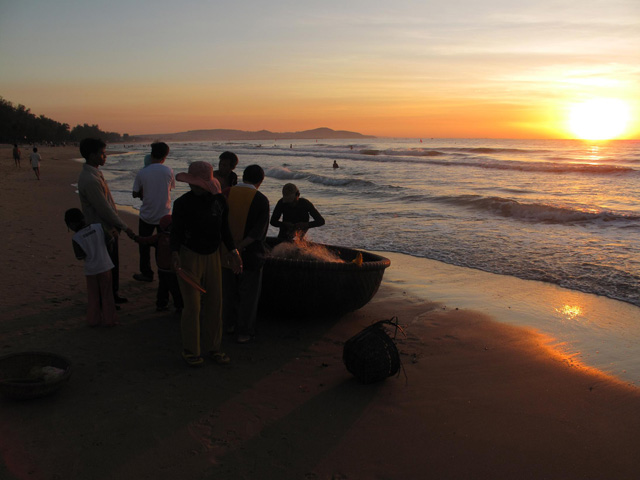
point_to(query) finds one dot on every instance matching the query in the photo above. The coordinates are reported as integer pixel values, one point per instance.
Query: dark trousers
(168, 283)
(145, 230)
(112, 248)
(241, 294)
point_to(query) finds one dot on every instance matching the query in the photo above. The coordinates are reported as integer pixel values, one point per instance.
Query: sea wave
(413, 152)
(283, 173)
(422, 152)
(455, 157)
(496, 151)
(597, 169)
(536, 212)
(508, 165)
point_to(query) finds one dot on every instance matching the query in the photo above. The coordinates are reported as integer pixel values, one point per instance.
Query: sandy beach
(476, 399)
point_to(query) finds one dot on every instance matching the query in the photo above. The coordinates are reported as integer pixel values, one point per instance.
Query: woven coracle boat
(310, 288)
(32, 374)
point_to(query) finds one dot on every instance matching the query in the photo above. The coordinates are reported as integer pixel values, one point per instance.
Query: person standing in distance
(16, 155)
(34, 157)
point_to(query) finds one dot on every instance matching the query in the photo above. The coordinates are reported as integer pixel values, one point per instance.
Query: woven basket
(371, 355)
(308, 288)
(15, 368)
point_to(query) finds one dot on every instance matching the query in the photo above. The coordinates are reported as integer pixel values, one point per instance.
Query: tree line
(19, 125)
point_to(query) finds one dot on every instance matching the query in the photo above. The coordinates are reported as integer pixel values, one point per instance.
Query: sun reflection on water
(570, 312)
(591, 155)
(594, 154)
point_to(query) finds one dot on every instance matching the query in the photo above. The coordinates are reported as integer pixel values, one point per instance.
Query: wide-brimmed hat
(201, 175)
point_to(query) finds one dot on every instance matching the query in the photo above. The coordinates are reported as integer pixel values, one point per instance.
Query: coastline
(480, 399)
(596, 331)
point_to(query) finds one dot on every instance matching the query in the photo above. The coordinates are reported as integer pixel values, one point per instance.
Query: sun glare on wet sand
(599, 118)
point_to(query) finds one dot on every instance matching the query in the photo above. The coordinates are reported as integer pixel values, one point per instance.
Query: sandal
(191, 359)
(220, 358)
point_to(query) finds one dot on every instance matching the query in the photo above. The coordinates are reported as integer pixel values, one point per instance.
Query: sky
(454, 68)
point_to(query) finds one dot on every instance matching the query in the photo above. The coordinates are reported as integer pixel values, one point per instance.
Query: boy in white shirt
(35, 158)
(89, 245)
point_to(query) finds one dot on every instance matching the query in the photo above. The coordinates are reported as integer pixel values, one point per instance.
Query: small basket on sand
(32, 374)
(372, 355)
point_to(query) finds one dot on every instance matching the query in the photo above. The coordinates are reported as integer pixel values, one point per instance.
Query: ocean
(565, 212)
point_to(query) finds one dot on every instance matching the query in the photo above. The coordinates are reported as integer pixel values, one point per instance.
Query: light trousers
(201, 321)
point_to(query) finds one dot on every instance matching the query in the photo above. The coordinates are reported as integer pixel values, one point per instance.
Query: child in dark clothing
(167, 278)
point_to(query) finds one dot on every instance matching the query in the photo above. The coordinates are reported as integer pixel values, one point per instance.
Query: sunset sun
(599, 119)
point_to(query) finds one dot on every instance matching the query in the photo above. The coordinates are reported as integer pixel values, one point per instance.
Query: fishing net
(305, 250)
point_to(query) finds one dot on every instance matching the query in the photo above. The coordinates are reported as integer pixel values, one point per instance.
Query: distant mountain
(224, 134)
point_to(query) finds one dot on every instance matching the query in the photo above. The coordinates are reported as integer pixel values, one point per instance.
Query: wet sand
(594, 330)
(476, 398)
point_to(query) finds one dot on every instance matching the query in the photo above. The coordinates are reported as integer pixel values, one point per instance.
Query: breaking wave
(535, 212)
(283, 173)
(510, 165)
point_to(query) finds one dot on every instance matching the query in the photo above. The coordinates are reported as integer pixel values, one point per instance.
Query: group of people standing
(210, 250)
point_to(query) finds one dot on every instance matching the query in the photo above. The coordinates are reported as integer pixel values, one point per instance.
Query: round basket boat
(309, 288)
(19, 377)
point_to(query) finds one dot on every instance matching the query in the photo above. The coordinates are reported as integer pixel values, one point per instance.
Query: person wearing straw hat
(200, 225)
